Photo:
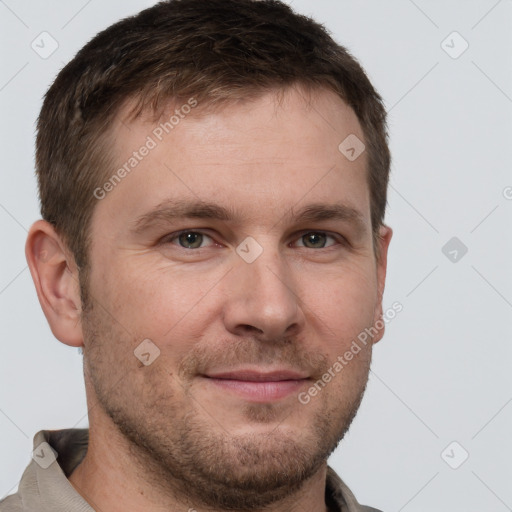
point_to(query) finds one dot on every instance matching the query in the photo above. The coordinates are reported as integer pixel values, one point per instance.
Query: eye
(199, 240)
(316, 240)
(189, 239)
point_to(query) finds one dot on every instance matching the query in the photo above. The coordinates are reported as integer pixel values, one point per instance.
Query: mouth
(259, 386)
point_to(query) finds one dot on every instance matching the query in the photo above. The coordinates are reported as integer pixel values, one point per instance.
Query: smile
(257, 386)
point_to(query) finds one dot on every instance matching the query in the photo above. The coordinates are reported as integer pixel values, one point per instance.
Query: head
(202, 228)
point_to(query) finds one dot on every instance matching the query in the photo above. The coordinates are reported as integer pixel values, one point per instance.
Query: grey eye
(314, 240)
(190, 240)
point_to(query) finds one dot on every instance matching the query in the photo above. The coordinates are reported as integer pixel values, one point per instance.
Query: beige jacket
(44, 486)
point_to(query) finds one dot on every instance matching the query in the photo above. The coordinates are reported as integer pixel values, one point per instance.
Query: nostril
(250, 329)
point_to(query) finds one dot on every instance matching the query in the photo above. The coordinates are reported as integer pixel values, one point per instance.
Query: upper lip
(258, 375)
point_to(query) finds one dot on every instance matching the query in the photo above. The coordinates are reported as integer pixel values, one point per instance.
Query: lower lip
(256, 391)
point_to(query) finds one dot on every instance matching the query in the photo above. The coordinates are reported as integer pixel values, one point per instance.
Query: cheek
(156, 300)
(344, 302)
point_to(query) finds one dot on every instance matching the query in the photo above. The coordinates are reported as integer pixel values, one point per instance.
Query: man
(213, 184)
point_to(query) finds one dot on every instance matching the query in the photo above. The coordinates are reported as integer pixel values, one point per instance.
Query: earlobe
(384, 239)
(55, 277)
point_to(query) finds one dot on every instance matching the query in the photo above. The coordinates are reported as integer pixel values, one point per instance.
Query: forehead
(260, 156)
(297, 118)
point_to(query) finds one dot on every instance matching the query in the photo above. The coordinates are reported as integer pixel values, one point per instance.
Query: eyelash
(168, 239)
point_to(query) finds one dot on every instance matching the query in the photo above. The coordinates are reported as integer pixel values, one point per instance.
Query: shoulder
(343, 498)
(11, 503)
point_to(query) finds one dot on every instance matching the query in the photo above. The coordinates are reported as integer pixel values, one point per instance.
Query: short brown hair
(214, 51)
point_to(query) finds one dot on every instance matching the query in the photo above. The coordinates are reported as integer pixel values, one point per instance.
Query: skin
(166, 436)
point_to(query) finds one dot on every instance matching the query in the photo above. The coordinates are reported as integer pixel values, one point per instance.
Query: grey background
(442, 372)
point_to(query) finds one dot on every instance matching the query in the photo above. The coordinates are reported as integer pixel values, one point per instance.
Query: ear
(384, 238)
(55, 276)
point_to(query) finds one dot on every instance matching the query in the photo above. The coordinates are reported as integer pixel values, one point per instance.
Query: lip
(258, 375)
(259, 386)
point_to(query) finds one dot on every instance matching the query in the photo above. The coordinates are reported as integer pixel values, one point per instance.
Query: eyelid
(168, 239)
(336, 236)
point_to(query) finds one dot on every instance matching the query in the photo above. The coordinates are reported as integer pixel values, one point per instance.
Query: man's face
(241, 334)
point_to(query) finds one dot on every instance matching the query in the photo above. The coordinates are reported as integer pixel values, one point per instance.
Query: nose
(262, 299)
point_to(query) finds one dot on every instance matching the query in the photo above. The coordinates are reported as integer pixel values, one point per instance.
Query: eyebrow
(171, 210)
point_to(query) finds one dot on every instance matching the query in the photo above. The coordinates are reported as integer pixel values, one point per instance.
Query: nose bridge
(262, 292)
